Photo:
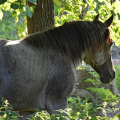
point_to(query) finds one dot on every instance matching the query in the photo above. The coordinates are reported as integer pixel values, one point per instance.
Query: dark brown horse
(39, 71)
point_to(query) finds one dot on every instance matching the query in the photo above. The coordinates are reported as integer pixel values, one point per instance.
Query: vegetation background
(13, 22)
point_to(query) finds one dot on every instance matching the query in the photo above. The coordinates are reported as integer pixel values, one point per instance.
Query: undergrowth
(117, 78)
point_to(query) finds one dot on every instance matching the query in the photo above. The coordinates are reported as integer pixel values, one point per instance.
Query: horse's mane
(72, 38)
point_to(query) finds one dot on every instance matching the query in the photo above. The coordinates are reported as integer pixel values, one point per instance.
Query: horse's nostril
(110, 75)
(113, 74)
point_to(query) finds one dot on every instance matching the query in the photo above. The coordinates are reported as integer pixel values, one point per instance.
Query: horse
(38, 71)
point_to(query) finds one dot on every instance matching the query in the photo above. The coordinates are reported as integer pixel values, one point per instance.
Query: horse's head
(102, 61)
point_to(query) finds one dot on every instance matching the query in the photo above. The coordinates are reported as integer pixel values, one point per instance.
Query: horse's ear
(96, 17)
(108, 22)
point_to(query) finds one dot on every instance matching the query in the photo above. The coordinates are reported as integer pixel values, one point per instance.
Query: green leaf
(14, 113)
(13, 117)
(67, 7)
(1, 113)
(32, 1)
(70, 99)
(14, 6)
(10, 108)
(29, 10)
(117, 115)
(21, 6)
(2, 108)
(2, 1)
(14, 14)
(3, 118)
(1, 15)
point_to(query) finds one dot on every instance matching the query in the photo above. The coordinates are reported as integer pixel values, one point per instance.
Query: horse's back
(22, 77)
(32, 74)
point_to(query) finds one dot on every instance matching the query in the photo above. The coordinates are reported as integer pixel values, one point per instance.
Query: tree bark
(43, 17)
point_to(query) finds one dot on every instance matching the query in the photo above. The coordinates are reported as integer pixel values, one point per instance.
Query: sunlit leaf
(3, 118)
(117, 115)
(1, 15)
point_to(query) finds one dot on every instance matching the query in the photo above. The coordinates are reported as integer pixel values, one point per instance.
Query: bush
(8, 113)
(78, 109)
(117, 78)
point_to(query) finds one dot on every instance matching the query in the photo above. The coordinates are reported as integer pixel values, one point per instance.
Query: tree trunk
(43, 17)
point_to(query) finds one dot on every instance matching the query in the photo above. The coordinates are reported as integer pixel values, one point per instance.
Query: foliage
(65, 10)
(103, 93)
(117, 78)
(9, 27)
(18, 10)
(39, 115)
(86, 10)
(96, 82)
(78, 110)
(17, 7)
(8, 113)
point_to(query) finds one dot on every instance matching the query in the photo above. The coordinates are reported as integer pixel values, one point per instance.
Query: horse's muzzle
(108, 78)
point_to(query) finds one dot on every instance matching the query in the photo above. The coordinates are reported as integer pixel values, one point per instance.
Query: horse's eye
(112, 42)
